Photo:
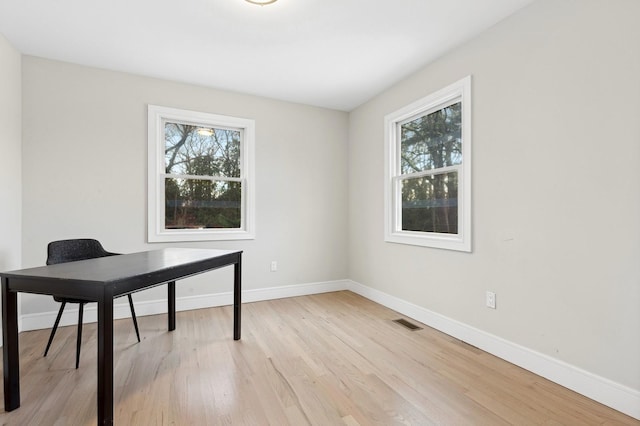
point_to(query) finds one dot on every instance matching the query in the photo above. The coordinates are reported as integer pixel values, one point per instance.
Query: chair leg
(79, 342)
(133, 316)
(55, 327)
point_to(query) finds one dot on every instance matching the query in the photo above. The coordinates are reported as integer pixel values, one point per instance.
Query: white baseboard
(600, 389)
(154, 307)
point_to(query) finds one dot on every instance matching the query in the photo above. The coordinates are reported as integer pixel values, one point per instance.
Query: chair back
(71, 250)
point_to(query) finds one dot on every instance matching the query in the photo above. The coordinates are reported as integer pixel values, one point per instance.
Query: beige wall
(10, 155)
(556, 210)
(85, 157)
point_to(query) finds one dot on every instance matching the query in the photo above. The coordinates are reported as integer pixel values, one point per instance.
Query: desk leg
(105, 359)
(11, 366)
(237, 297)
(171, 310)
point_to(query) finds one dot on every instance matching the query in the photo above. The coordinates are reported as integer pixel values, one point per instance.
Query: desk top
(122, 273)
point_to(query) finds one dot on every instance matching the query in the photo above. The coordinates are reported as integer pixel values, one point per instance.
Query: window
(428, 170)
(200, 184)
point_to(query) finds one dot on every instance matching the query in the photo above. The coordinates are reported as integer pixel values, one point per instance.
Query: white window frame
(156, 232)
(458, 91)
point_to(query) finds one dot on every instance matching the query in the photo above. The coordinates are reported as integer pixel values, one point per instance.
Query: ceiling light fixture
(261, 2)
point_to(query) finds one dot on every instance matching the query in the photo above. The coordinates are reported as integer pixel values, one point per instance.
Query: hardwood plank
(333, 358)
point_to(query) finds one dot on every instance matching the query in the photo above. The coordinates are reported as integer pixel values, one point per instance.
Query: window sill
(200, 235)
(440, 241)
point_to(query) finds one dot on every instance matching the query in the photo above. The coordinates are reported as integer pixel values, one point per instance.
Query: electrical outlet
(491, 299)
(274, 266)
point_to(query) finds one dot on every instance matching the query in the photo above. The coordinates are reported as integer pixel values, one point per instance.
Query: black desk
(101, 280)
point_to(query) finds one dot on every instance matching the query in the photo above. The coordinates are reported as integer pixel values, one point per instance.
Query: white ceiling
(330, 53)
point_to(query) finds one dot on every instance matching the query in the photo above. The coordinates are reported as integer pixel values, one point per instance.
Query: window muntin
(200, 176)
(427, 194)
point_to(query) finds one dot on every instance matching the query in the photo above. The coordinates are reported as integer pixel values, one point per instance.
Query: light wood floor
(328, 359)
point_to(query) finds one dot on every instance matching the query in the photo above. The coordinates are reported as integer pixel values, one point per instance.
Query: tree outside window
(198, 163)
(430, 144)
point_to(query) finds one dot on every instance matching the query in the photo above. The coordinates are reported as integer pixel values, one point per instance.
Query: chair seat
(68, 300)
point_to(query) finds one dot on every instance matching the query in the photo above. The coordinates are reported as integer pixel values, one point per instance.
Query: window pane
(430, 203)
(197, 203)
(432, 141)
(201, 151)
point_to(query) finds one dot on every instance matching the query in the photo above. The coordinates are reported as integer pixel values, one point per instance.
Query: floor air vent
(403, 322)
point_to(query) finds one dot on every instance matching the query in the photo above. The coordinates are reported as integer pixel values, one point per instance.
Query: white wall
(85, 156)
(10, 153)
(556, 210)
(10, 157)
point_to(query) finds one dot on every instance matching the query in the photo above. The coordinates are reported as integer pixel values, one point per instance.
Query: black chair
(69, 251)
